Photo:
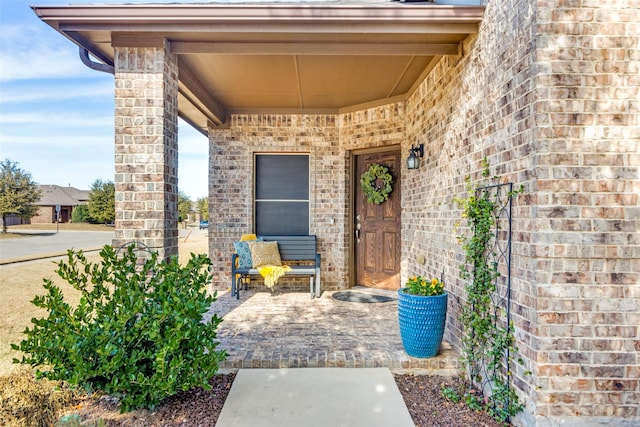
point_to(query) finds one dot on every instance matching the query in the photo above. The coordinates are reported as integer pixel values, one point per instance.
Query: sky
(56, 115)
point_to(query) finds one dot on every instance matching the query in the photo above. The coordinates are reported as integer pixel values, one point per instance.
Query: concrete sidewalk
(315, 397)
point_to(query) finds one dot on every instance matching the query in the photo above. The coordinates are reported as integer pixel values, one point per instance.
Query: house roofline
(314, 13)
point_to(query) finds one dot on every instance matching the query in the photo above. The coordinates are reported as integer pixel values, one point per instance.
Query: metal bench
(292, 248)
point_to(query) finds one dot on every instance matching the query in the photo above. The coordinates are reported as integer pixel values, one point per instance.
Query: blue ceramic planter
(422, 321)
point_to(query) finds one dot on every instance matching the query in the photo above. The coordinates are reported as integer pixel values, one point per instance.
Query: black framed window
(282, 194)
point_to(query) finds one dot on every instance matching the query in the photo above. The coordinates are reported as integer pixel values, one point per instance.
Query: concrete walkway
(314, 397)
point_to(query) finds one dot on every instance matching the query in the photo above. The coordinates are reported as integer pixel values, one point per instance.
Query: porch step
(446, 363)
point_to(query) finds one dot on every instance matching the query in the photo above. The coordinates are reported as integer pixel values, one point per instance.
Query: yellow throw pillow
(264, 253)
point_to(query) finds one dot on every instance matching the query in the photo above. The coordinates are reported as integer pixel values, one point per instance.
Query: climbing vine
(488, 337)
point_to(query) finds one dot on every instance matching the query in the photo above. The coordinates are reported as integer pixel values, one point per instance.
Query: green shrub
(137, 332)
(80, 214)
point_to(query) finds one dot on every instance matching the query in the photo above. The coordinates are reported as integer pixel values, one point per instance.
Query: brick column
(146, 145)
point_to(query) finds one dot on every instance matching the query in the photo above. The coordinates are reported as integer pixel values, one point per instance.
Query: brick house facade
(555, 112)
(68, 198)
(547, 91)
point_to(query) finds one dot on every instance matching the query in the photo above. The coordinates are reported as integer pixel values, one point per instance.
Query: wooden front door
(377, 227)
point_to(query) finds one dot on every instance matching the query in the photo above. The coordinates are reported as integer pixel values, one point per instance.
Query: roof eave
(318, 18)
(253, 13)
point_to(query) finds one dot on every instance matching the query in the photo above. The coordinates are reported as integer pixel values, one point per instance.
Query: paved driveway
(38, 244)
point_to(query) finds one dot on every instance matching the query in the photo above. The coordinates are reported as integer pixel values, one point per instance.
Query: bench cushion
(264, 253)
(244, 254)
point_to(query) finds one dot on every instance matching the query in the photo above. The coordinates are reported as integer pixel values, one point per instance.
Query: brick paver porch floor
(289, 330)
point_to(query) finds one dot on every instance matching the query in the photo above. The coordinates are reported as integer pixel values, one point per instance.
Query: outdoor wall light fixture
(413, 162)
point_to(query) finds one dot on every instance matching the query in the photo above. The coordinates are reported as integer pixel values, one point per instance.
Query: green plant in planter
(422, 313)
(418, 285)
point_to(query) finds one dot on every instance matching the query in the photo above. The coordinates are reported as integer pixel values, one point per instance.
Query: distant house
(54, 195)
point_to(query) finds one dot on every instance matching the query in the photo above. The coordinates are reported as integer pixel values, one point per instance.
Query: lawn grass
(21, 282)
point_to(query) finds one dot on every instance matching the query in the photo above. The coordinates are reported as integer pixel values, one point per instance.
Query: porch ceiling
(277, 58)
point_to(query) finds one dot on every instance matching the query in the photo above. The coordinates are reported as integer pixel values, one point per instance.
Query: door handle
(358, 226)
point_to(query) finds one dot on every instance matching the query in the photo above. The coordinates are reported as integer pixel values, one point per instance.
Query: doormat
(365, 297)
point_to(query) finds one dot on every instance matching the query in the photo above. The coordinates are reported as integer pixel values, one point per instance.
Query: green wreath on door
(376, 183)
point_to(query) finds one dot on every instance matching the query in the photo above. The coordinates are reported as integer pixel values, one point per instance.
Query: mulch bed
(198, 407)
(429, 408)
